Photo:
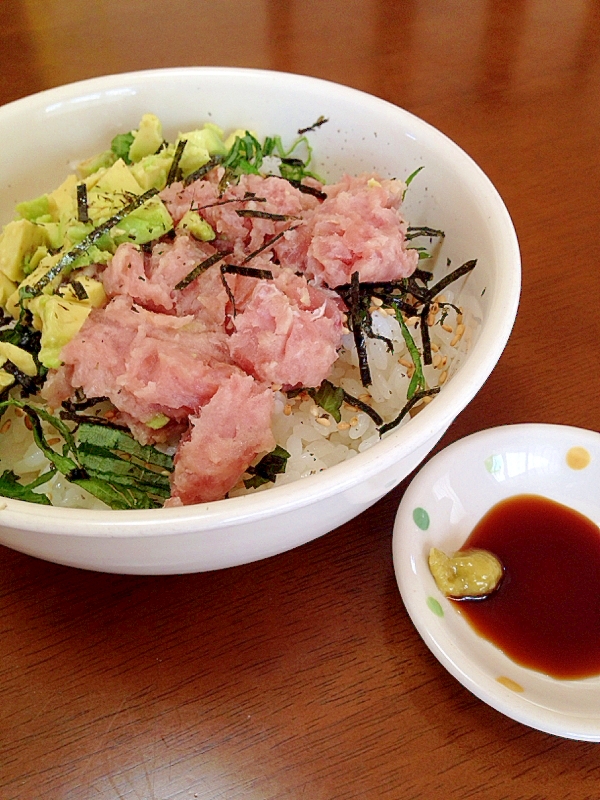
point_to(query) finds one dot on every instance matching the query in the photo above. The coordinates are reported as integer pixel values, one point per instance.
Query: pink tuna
(289, 332)
(225, 437)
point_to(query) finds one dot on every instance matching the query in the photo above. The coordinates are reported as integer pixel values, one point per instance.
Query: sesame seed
(287, 409)
(54, 440)
(437, 360)
(435, 347)
(365, 398)
(412, 321)
(343, 426)
(28, 423)
(447, 327)
(354, 421)
(376, 301)
(443, 377)
(404, 362)
(6, 426)
(325, 421)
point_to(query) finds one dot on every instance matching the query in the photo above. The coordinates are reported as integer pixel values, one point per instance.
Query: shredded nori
(203, 170)
(254, 212)
(79, 290)
(302, 187)
(451, 277)
(407, 407)
(268, 244)
(356, 325)
(199, 269)
(321, 121)
(248, 272)
(174, 171)
(82, 203)
(364, 407)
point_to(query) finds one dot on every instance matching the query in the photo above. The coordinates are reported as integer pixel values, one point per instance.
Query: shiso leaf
(10, 487)
(107, 462)
(121, 145)
(329, 398)
(271, 465)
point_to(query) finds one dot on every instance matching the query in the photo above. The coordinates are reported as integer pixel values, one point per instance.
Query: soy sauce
(545, 614)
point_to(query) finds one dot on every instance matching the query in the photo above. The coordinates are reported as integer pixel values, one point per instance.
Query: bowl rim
(475, 369)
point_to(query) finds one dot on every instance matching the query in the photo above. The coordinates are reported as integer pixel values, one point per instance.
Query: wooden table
(302, 676)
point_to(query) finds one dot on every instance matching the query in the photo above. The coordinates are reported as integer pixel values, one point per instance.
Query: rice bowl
(365, 134)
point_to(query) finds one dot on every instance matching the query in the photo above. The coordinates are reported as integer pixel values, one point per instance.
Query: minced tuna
(202, 362)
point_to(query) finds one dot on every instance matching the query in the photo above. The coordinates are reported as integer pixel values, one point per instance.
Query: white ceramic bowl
(46, 133)
(441, 507)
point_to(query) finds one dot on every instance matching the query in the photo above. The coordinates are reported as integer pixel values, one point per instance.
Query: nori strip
(203, 170)
(271, 465)
(407, 407)
(321, 121)
(423, 230)
(79, 290)
(82, 203)
(268, 244)
(199, 269)
(357, 330)
(29, 384)
(248, 272)
(451, 277)
(174, 169)
(302, 187)
(364, 407)
(425, 339)
(253, 212)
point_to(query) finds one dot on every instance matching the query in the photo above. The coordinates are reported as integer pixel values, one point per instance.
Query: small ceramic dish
(441, 507)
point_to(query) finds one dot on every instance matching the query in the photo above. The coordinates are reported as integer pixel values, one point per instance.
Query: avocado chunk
(200, 146)
(147, 139)
(61, 321)
(198, 227)
(34, 209)
(19, 238)
(19, 357)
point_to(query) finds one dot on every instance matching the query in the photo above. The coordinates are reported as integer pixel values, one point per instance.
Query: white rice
(314, 440)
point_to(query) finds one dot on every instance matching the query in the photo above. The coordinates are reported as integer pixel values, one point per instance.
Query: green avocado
(19, 239)
(61, 319)
(198, 227)
(147, 139)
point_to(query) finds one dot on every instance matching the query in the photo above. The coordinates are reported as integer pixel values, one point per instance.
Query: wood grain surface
(302, 676)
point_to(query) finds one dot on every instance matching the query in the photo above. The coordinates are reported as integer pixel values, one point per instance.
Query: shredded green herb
(329, 398)
(121, 144)
(107, 462)
(267, 469)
